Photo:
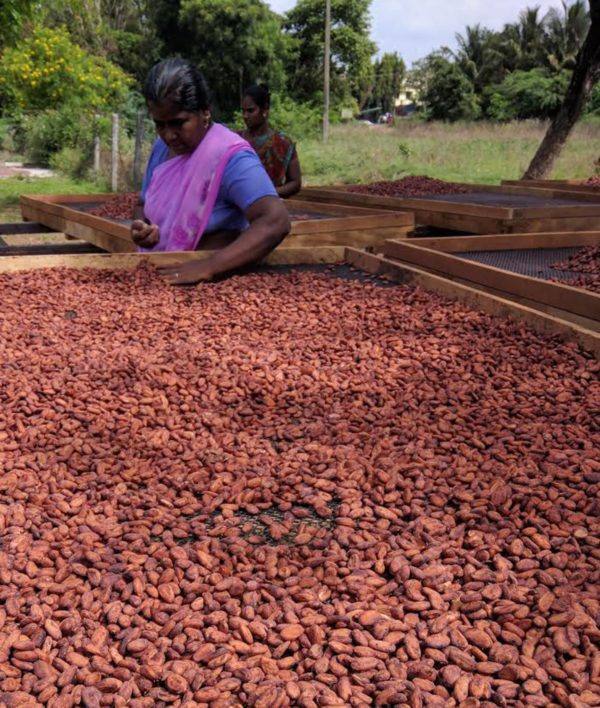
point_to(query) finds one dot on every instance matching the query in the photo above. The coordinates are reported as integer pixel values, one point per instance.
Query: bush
(298, 120)
(593, 106)
(46, 69)
(43, 134)
(71, 161)
(527, 94)
(449, 95)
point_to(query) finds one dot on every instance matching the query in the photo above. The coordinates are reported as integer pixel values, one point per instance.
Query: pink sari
(184, 189)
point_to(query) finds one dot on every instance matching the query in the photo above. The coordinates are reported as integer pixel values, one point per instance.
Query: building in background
(407, 102)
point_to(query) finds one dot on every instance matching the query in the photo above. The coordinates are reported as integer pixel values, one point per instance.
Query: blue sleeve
(159, 154)
(245, 180)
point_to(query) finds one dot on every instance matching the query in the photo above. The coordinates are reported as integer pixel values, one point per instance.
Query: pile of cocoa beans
(426, 477)
(407, 187)
(119, 206)
(586, 264)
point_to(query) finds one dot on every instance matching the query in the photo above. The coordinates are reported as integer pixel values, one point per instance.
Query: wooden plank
(577, 300)
(54, 237)
(569, 224)
(413, 204)
(338, 230)
(505, 242)
(358, 238)
(345, 223)
(579, 211)
(59, 198)
(558, 186)
(585, 322)
(280, 256)
(478, 299)
(47, 213)
(338, 210)
(580, 194)
(460, 222)
(57, 204)
(455, 216)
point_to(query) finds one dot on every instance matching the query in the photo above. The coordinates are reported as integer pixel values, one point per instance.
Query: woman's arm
(293, 178)
(269, 225)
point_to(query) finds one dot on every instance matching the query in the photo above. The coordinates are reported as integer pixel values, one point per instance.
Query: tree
(537, 93)
(389, 76)
(585, 75)
(13, 13)
(351, 49)
(565, 33)
(121, 30)
(477, 56)
(447, 93)
(234, 42)
(47, 69)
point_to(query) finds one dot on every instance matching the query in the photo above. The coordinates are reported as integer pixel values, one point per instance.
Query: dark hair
(180, 82)
(260, 94)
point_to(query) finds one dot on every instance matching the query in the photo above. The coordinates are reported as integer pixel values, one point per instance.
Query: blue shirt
(244, 182)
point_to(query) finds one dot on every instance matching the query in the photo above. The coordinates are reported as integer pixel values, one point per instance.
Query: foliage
(11, 189)
(565, 34)
(13, 14)
(42, 134)
(593, 106)
(121, 30)
(464, 152)
(72, 161)
(544, 44)
(389, 76)
(351, 49)
(298, 120)
(48, 69)
(448, 95)
(527, 94)
(235, 43)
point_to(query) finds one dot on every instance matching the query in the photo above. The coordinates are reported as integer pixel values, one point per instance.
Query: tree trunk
(585, 75)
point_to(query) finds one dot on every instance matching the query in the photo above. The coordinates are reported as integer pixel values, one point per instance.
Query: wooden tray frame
(476, 218)
(283, 255)
(478, 298)
(564, 188)
(436, 255)
(348, 226)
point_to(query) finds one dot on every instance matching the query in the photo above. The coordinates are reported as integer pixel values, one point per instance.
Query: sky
(413, 28)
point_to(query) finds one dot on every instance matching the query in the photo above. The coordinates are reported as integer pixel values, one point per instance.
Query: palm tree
(565, 33)
(478, 56)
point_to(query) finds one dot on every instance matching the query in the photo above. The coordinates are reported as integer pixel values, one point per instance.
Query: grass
(463, 152)
(478, 152)
(13, 187)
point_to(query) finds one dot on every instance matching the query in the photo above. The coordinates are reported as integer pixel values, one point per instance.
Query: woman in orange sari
(275, 149)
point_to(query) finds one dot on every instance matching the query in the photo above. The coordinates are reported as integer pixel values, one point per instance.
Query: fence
(124, 171)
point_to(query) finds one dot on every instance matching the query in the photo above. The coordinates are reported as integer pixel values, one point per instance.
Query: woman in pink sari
(202, 182)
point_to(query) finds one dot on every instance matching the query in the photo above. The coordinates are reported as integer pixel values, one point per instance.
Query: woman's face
(182, 131)
(254, 117)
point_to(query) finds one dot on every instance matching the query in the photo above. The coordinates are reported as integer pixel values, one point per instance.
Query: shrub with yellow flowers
(47, 69)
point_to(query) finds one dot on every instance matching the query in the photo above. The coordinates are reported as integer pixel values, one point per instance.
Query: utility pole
(326, 67)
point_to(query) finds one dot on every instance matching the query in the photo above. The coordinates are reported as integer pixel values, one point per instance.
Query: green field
(12, 188)
(475, 152)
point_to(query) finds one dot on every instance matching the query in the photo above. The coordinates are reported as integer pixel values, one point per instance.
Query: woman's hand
(187, 273)
(269, 224)
(144, 235)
